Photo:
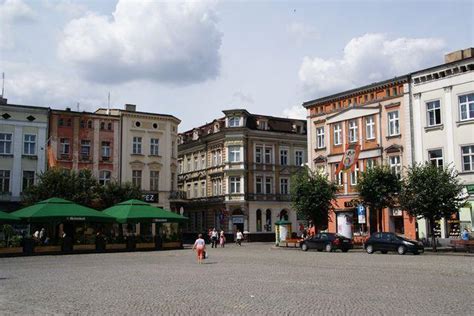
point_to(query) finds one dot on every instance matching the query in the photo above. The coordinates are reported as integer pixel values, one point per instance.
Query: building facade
(373, 121)
(235, 173)
(23, 137)
(82, 140)
(443, 129)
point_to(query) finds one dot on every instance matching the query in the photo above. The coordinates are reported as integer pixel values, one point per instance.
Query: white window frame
(284, 157)
(371, 162)
(393, 119)
(30, 181)
(355, 174)
(86, 148)
(29, 144)
(105, 176)
(395, 163)
(136, 145)
(268, 185)
(137, 178)
(196, 163)
(105, 149)
(268, 155)
(234, 185)
(433, 109)
(154, 146)
(437, 161)
(203, 188)
(6, 142)
(64, 144)
(203, 161)
(259, 154)
(338, 177)
(195, 189)
(299, 157)
(370, 127)
(234, 153)
(234, 121)
(467, 105)
(154, 180)
(469, 155)
(353, 131)
(5, 177)
(337, 130)
(259, 183)
(320, 143)
(284, 186)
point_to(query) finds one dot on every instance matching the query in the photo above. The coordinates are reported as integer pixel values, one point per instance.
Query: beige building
(235, 172)
(23, 138)
(148, 152)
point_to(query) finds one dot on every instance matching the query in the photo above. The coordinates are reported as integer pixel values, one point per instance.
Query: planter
(84, 247)
(145, 245)
(115, 246)
(11, 250)
(172, 245)
(43, 249)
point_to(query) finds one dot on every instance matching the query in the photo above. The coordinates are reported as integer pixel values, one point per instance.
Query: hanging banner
(349, 159)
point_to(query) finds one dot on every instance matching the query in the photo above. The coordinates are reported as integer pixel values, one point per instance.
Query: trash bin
(28, 246)
(158, 242)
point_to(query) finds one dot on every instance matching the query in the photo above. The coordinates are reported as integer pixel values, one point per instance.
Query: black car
(328, 242)
(385, 242)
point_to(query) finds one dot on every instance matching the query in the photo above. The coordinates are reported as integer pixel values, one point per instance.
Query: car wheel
(304, 247)
(369, 249)
(384, 252)
(345, 250)
(328, 248)
(401, 250)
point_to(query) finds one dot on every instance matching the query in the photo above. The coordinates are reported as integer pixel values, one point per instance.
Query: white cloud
(66, 7)
(296, 112)
(302, 32)
(168, 42)
(366, 59)
(242, 98)
(13, 12)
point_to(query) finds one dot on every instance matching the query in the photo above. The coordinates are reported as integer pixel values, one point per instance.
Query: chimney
(130, 107)
(459, 55)
(68, 109)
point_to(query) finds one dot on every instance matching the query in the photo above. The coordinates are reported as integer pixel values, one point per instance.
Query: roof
(140, 112)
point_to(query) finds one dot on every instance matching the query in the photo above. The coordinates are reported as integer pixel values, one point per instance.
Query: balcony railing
(177, 195)
(267, 197)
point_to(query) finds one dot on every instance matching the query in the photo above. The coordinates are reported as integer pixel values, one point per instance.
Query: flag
(350, 158)
(51, 158)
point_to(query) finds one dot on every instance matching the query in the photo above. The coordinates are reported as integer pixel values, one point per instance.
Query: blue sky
(193, 60)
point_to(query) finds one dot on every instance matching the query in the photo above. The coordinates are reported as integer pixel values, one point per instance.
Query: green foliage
(80, 187)
(312, 196)
(431, 192)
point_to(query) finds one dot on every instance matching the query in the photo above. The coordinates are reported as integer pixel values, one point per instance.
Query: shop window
(268, 220)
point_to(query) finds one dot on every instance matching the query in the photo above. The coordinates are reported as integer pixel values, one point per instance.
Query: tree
(378, 188)
(432, 193)
(114, 192)
(312, 195)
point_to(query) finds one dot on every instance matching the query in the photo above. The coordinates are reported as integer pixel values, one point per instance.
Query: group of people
(215, 237)
(40, 237)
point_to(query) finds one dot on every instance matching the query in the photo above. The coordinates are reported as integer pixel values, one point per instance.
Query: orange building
(374, 120)
(82, 140)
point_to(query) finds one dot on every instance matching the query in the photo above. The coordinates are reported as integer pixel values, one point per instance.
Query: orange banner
(349, 159)
(51, 158)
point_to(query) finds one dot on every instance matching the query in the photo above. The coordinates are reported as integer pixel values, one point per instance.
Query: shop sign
(397, 212)
(159, 220)
(150, 197)
(470, 188)
(361, 214)
(349, 204)
(75, 218)
(237, 219)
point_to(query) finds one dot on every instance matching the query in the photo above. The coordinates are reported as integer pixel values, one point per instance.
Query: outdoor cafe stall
(166, 234)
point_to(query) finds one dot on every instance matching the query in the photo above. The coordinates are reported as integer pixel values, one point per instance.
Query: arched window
(284, 215)
(268, 220)
(89, 124)
(259, 220)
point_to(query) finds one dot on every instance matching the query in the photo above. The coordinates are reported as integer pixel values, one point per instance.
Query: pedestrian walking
(214, 237)
(465, 234)
(222, 239)
(239, 237)
(200, 248)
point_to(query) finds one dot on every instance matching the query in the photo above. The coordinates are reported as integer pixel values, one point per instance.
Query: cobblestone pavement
(252, 279)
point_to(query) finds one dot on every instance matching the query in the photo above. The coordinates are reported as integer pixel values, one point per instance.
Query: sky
(194, 59)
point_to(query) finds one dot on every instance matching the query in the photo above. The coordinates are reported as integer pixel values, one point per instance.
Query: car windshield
(404, 238)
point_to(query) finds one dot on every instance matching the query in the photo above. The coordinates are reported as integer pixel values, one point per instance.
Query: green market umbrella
(7, 218)
(59, 209)
(282, 222)
(134, 211)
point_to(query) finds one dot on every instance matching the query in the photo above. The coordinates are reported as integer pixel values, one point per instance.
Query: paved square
(252, 279)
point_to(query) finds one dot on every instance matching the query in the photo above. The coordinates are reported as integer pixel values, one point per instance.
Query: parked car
(328, 242)
(385, 242)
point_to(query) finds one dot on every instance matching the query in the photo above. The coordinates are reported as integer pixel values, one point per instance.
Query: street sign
(361, 213)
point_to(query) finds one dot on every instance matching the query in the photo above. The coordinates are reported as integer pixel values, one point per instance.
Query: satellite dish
(181, 210)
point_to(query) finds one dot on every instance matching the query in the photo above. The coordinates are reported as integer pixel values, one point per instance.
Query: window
(216, 187)
(387, 92)
(203, 161)
(320, 137)
(466, 107)
(203, 188)
(154, 146)
(299, 157)
(268, 220)
(284, 157)
(137, 178)
(109, 126)
(85, 149)
(89, 124)
(64, 146)
(29, 144)
(395, 165)
(104, 177)
(436, 157)
(394, 91)
(234, 153)
(262, 125)
(370, 127)
(5, 143)
(268, 185)
(338, 177)
(268, 156)
(28, 179)
(258, 154)
(188, 164)
(214, 158)
(355, 174)
(188, 191)
(83, 124)
(137, 146)
(283, 186)
(154, 180)
(234, 184)
(60, 122)
(69, 122)
(234, 121)
(433, 111)
(467, 158)
(105, 150)
(393, 123)
(259, 185)
(196, 190)
(353, 131)
(4, 181)
(259, 220)
(102, 125)
(180, 167)
(370, 163)
(337, 134)
(219, 157)
(196, 163)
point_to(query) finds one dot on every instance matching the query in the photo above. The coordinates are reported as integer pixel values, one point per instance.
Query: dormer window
(195, 135)
(263, 125)
(234, 121)
(216, 127)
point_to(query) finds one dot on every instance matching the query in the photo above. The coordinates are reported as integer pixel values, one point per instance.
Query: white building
(443, 128)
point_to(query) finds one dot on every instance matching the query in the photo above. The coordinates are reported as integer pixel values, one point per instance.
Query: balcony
(177, 195)
(268, 197)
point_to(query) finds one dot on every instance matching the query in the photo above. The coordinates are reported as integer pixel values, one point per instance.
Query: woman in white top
(200, 246)
(239, 237)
